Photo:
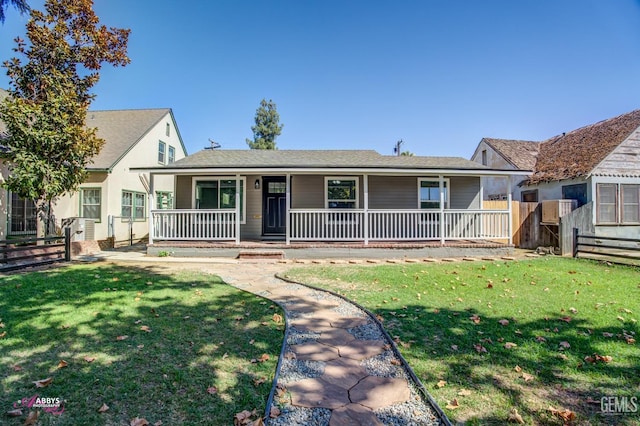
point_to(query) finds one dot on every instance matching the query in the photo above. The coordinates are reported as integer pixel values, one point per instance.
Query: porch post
(365, 178)
(237, 224)
(150, 208)
(441, 187)
(287, 231)
(510, 215)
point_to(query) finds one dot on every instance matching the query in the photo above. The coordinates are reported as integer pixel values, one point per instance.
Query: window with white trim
(172, 154)
(133, 204)
(91, 203)
(162, 152)
(164, 200)
(219, 193)
(22, 217)
(607, 202)
(429, 193)
(341, 192)
(630, 203)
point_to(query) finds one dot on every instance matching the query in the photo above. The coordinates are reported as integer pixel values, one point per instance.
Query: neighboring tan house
(115, 199)
(505, 154)
(599, 166)
(326, 196)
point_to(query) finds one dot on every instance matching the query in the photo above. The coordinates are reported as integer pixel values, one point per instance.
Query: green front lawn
(488, 338)
(180, 348)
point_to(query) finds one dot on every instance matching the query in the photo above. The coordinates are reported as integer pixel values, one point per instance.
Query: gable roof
(520, 154)
(577, 153)
(121, 130)
(326, 159)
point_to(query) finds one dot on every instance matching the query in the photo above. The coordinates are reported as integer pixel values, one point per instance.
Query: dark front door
(274, 204)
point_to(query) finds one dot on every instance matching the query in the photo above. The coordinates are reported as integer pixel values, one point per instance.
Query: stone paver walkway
(345, 386)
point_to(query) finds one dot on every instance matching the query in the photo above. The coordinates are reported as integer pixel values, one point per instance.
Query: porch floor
(302, 250)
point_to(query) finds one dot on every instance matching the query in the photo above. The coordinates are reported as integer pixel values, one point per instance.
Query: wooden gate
(526, 218)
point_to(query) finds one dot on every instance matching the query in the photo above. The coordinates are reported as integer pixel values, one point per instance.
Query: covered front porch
(317, 207)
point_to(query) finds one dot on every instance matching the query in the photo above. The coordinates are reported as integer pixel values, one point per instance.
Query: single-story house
(598, 165)
(326, 196)
(114, 201)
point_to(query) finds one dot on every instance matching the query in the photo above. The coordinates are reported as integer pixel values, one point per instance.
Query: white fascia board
(330, 170)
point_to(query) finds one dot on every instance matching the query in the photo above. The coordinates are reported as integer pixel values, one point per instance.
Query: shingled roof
(577, 153)
(256, 158)
(521, 154)
(121, 130)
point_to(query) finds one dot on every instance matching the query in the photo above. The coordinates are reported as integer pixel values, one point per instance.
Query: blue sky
(439, 75)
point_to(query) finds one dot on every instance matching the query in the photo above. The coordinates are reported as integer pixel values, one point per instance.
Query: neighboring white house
(133, 138)
(506, 154)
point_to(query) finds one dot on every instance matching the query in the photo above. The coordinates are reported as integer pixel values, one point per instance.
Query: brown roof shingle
(577, 153)
(521, 154)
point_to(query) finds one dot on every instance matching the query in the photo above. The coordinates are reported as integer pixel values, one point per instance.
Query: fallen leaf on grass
(4, 333)
(475, 318)
(263, 358)
(89, 358)
(607, 334)
(565, 415)
(243, 418)
(137, 421)
(277, 318)
(517, 368)
(62, 363)
(44, 382)
(225, 356)
(510, 345)
(598, 358)
(259, 381)
(514, 417)
(441, 384)
(454, 347)
(453, 404)
(212, 390)
(503, 322)
(14, 413)
(479, 348)
(527, 377)
(274, 412)
(32, 418)
(103, 408)
(564, 345)
(122, 338)
(540, 339)
(464, 392)
(566, 319)
(145, 328)
(16, 367)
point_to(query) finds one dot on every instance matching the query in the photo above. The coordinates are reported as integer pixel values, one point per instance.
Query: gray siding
(252, 229)
(465, 192)
(393, 192)
(183, 192)
(623, 160)
(307, 192)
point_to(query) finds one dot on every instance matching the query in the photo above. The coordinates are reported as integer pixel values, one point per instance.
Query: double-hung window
(219, 193)
(429, 193)
(630, 203)
(172, 154)
(90, 203)
(607, 208)
(133, 205)
(23, 216)
(342, 192)
(162, 152)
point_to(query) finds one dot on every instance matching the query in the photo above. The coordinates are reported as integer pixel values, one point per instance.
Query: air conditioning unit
(553, 210)
(82, 229)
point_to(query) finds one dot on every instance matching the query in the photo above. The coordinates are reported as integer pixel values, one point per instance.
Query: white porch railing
(341, 225)
(398, 225)
(327, 225)
(217, 225)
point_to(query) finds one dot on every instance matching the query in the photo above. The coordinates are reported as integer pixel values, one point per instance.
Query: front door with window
(274, 205)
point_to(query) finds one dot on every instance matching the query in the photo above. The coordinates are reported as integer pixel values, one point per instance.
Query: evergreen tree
(267, 127)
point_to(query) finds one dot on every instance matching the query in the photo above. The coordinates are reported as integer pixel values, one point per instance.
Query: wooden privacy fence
(613, 249)
(26, 252)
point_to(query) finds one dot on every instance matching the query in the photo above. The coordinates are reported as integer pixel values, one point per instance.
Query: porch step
(261, 254)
